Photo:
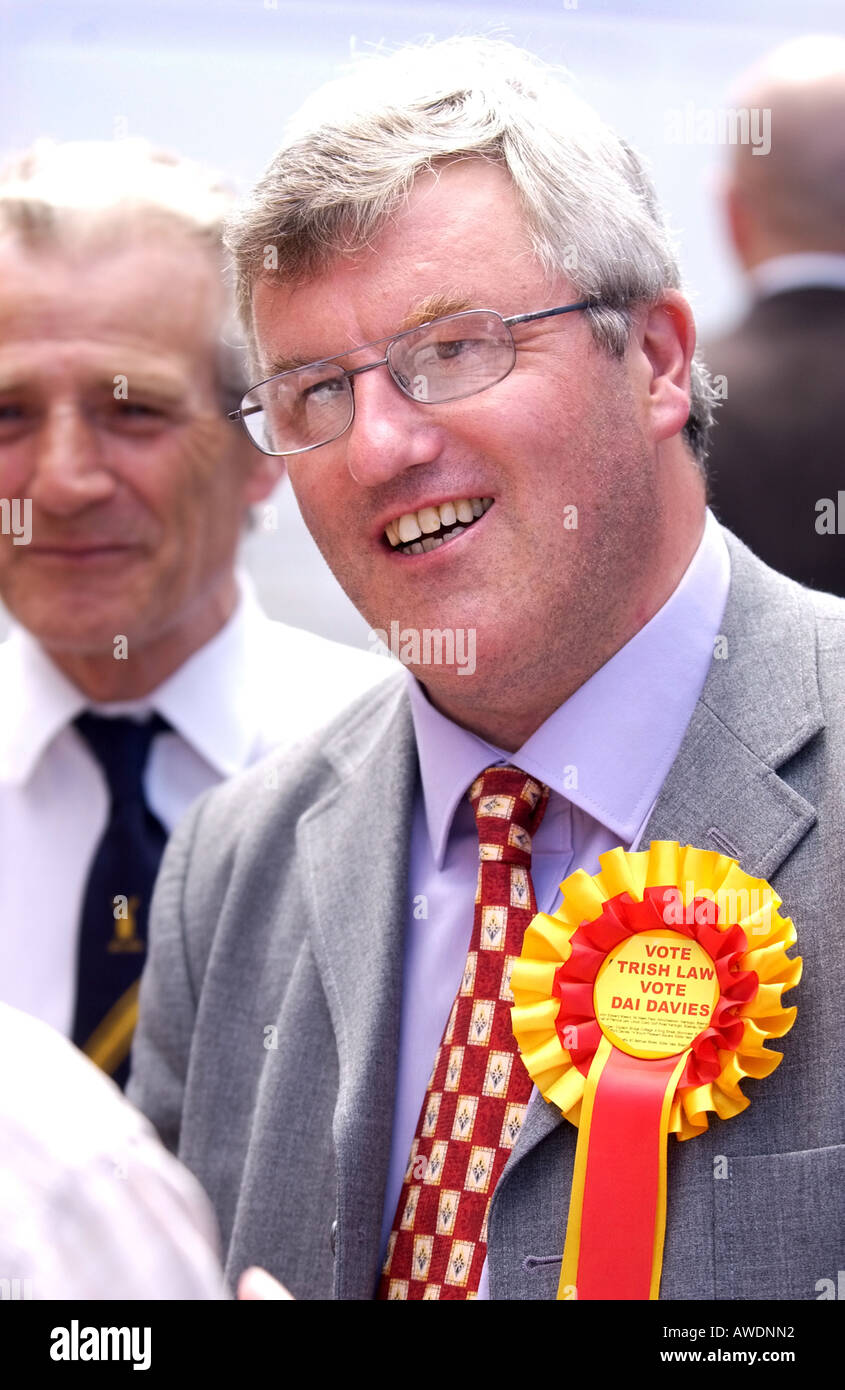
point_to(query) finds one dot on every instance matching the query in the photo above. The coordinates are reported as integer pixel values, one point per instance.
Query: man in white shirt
(124, 492)
(776, 473)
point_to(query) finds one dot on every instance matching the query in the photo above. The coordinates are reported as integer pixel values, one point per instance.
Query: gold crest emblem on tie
(126, 938)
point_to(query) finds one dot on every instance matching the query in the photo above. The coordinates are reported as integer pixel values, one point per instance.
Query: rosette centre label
(654, 993)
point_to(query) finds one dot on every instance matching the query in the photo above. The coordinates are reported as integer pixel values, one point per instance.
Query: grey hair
(352, 152)
(58, 193)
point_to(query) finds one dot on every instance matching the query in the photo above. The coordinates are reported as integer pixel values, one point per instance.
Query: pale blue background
(215, 79)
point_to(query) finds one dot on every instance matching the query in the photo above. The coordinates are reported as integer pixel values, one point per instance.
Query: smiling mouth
(415, 533)
(76, 552)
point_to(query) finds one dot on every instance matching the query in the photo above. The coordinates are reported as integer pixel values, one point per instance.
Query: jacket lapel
(760, 704)
(355, 845)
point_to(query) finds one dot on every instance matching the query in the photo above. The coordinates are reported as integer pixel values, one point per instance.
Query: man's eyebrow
(144, 382)
(434, 306)
(277, 365)
(438, 306)
(12, 381)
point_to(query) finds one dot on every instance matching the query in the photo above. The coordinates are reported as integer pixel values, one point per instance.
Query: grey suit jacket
(267, 1043)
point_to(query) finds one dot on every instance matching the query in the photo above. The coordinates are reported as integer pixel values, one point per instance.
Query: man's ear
(666, 335)
(738, 220)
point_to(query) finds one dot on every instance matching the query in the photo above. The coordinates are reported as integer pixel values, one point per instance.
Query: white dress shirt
(256, 685)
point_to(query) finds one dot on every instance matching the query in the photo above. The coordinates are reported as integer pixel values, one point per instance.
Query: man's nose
(390, 432)
(69, 472)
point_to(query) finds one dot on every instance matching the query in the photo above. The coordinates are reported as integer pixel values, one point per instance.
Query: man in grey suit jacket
(287, 1012)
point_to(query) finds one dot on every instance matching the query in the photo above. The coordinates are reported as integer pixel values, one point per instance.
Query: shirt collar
(39, 701)
(807, 269)
(212, 698)
(609, 747)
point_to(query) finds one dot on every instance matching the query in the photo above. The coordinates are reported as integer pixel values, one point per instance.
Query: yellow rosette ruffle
(698, 877)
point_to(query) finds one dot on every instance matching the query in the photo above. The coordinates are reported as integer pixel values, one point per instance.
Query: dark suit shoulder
(776, 447)
(815, 311)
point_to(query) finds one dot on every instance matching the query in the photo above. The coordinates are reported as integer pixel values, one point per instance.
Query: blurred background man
(776, 458)
(141, 669)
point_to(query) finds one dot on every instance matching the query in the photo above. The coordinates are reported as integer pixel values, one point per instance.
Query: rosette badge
(641, 1005)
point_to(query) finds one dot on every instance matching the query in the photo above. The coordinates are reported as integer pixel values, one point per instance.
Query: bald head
(793, 198)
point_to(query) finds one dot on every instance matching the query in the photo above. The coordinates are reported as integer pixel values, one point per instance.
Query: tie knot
(121, 747)
(509, 806)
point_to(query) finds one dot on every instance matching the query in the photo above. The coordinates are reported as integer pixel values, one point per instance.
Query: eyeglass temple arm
(550, 313)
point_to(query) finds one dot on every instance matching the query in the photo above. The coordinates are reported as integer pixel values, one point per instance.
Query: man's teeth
(416, 532)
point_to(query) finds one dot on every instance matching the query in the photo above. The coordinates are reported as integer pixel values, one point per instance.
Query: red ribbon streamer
(619, 1210)
(623, 1171)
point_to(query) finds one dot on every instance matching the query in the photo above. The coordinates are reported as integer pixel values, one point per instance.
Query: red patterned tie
(478, 1090)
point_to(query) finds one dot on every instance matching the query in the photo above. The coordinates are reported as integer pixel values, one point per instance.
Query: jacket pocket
(778, 1225)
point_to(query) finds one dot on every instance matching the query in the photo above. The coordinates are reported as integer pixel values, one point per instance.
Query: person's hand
(257, 1283)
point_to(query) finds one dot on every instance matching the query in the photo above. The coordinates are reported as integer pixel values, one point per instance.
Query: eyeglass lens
(442, 361)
